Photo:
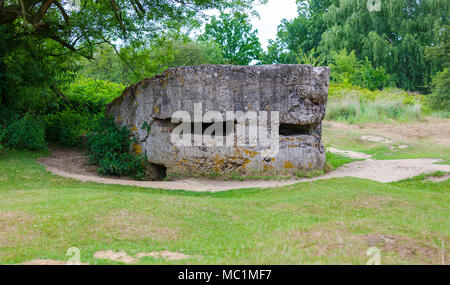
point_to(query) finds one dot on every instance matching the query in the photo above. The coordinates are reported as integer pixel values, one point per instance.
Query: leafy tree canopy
(41, 41)
(394, 37)
(235, 36)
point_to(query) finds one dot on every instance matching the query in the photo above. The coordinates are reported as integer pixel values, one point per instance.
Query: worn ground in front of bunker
(386, 157)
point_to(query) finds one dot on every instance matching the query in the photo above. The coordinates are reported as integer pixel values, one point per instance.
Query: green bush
(372, 78)
(2, 134)
(65, 128)
(7, 116)
(344, 66)
(440, 96)
(90, 96)
(110, 149)
(27, 133)
(347, 69)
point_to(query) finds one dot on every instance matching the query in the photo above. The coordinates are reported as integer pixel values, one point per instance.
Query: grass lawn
(324, 222)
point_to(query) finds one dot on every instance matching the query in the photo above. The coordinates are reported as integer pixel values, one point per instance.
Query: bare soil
(122, 256)
(433, 130)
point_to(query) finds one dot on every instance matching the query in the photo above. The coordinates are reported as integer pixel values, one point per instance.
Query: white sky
(270, 16)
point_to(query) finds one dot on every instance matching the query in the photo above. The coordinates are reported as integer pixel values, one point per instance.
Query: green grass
(336, 160)
(356, 105)
(323, 222)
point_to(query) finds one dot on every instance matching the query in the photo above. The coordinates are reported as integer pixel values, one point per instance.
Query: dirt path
(72, 164)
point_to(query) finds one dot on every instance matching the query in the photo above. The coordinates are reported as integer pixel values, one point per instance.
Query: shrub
(28, 133)
(347, 69)
(440, 96)
(372, 78)
(344, 66)
(90, 96)
(65, 127)
(110, 149)
(7, 116)
(2, 134)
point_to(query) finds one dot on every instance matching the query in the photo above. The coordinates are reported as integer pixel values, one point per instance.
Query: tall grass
(357, 105)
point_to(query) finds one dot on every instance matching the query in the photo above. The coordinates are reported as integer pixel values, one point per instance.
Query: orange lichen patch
(137, 149)
(134, 129)
(181, 80)
(267, 167)
(250, 153)
(119, 119)
(218, 163)
(156, 109)
(288, 165)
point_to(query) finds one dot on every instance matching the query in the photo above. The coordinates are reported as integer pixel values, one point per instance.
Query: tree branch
(41, 13)
(63, 12)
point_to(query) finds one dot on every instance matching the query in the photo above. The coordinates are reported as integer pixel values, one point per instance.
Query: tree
(235, 36)
(42, 40)
(299, 35)
(440, 84)
(394, 37)
(149, 61)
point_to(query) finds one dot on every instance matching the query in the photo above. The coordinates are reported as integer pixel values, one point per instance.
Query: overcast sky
(271, 15)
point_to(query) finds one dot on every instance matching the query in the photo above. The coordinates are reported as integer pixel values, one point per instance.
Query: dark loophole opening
(227, 128)
(156, 171)
(293, 129)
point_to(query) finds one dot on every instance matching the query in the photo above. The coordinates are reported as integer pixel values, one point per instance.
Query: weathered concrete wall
(298, 92)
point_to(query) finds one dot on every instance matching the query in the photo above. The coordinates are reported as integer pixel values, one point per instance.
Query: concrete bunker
(297, 92)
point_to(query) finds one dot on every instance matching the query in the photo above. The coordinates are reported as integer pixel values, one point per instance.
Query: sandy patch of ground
(47, 262)
(387, 170)
(71, 160)
(122, 256)
(376, 139)
(439, 179)
(165, 254)
(406, 248)
(378, 170)
(349, 153)
(119, 256)
(433, 129)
